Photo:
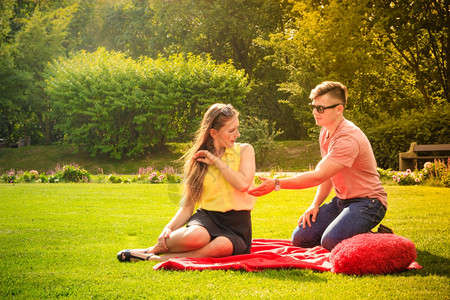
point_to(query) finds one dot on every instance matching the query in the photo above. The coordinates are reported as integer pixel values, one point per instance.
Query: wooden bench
(408, 160)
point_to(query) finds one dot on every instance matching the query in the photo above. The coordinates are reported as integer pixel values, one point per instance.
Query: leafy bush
(30, 176)
(408, 178)
(173, 178)
(385, 175)
(74, 173)
(156, 177)
(114, 179)
(437, 173)
(25, 177)
(42, 178)
(115, 105)
(10, 177)
(54, 178)
(394, 135)
(261, 135)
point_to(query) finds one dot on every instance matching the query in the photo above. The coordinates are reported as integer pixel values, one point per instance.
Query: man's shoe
(384, 229)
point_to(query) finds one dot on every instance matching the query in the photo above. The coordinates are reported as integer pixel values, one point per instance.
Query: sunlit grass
(61, 240)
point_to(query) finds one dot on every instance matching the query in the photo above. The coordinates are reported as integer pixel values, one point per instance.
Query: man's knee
(329, 241)
(305, 237)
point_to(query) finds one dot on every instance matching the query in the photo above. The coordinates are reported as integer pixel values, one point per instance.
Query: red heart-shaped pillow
(372, 253)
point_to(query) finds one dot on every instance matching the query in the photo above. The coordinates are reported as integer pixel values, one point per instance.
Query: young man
(348, 165)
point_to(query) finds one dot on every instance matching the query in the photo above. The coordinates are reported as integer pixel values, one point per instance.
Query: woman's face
(226, 136)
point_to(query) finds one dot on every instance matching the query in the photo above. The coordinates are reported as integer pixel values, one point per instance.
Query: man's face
(329, 115)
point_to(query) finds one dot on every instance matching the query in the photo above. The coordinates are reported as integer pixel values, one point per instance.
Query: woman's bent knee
(196, 237)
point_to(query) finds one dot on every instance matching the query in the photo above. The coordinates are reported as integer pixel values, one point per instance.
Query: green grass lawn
(61, 240)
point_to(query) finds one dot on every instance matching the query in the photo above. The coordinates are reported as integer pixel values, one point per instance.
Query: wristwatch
(277, 185)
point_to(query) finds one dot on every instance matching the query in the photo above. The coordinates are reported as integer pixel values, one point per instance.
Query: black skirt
(233, 224)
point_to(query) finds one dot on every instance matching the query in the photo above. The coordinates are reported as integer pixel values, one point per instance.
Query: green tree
(325, 41)
(418, 33)
(117, 26)
(359, 44)
(13, 116)
(27, 45)
(41, 40)
(229, 30)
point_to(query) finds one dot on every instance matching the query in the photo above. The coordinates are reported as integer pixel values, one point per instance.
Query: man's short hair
(336, 90)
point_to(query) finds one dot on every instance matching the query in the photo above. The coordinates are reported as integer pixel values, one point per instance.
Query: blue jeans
(339, 220)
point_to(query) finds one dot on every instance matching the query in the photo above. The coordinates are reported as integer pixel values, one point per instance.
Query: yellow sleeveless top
(218, 193)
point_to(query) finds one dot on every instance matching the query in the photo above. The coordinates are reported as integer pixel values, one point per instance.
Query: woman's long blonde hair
(194, 172)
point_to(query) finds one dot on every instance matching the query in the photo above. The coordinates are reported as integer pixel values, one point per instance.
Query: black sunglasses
(226, 110)
(321, 109)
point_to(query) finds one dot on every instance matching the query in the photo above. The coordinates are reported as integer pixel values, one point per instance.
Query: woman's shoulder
(245, 148)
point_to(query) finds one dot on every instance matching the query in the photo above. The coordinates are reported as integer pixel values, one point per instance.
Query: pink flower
(34, 173)
(394, 177)
(404, 175)
(427, 165)
(408, 171)
(417, 180)
(11, 173)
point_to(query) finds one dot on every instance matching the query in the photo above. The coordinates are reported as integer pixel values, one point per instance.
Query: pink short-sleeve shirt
(350, 147)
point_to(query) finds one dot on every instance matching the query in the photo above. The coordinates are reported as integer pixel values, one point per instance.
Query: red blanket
(265, 254)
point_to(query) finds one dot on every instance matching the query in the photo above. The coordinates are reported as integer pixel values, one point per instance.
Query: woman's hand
(206, 157)
(162, 240)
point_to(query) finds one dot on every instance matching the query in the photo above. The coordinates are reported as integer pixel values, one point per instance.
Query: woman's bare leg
(181, 240)
(219, 247)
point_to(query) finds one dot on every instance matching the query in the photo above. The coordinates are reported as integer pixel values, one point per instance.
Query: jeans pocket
(380, 213)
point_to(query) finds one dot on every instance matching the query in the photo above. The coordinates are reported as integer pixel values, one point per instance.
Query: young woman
(218, 172)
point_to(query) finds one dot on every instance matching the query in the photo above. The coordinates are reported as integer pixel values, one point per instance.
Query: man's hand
(306, 217)
(267, 186)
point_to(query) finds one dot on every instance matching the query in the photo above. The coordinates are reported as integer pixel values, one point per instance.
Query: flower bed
(75, 173)
(435, 173)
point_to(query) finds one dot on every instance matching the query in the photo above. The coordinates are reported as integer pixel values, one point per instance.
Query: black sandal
(126, 256)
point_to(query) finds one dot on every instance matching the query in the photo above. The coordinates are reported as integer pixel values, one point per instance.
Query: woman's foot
(132, 256)
(156, 249)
